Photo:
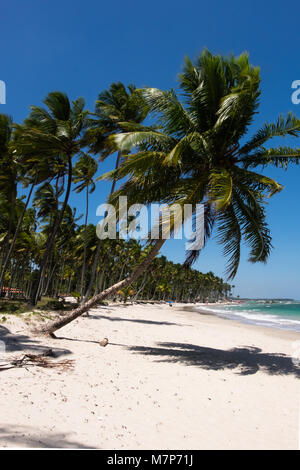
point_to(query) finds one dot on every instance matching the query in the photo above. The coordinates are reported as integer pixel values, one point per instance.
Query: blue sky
(81, 47)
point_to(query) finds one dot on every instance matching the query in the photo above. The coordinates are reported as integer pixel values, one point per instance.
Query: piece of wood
(104, 342)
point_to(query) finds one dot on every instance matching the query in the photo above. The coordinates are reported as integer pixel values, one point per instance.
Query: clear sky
(81, 47)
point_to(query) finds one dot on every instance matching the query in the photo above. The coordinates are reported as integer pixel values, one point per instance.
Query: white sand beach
(168, 379)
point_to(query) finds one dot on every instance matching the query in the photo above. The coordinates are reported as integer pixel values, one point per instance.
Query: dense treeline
(164, 280)
(196, 150)
(46, 249)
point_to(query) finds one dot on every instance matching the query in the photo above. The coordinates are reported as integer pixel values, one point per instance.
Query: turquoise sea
(284, 314)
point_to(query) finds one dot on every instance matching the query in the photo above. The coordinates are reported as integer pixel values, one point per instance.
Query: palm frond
(220, 188)
(128, 140)
(173, 117)
(283, 127)
(229, 236)
(59, 105)
(254, 227)
(280, 157)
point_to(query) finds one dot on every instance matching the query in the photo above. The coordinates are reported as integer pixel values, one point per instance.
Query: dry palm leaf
(38, 360)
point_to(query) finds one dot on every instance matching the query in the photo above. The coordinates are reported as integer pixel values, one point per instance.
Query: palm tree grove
(186, 146)
(149, 252)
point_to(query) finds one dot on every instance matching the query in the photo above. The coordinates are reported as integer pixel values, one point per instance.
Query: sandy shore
(169, 379)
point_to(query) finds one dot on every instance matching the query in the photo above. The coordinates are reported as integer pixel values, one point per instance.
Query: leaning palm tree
(84, 172)
(54, 133)
(116, 110)
(198, 156)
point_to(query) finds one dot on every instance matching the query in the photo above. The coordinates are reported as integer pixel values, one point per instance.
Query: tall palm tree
(198, 156)
(84, 172)
(115, 111)
(29, 174)
(9, 174)
(6, 258)
(65, 238)
(55, 133)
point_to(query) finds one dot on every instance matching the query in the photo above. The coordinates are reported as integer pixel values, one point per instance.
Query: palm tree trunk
(85, 242)
(12, 278)
(100, 282)
(50, 277)
(6, 260)
(116, 167)
(141, 288)
(93, 271)
(69, 285)
(97, 254)
(40, 280)
(57, 324)
(59, 284)
(10, 222)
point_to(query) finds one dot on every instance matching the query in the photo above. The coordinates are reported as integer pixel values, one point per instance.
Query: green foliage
(10, 307)
(52, 304)
(115, 110)
(195, 150)
(196, 156)
(76, 295)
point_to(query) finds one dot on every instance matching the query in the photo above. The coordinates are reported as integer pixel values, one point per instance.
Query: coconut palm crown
(199, 153)
(116, 109)
(55, 134)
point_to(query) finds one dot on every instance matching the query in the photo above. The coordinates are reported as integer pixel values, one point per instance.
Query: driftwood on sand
(37, 360)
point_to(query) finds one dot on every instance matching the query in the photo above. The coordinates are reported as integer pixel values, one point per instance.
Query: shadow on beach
(247, 360)
(24, 436)
(133, 320)
(22, 342)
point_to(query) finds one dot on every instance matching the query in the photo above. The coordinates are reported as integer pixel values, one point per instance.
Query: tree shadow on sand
(133, 320)
(21, 342)
(24, 437)
(246, 360)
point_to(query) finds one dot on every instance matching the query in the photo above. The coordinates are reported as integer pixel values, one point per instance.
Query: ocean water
(284, 314)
